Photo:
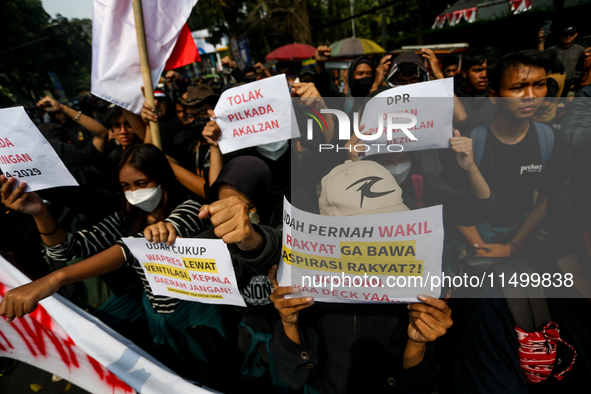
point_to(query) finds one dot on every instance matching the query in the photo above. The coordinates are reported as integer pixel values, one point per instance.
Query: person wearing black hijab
(249, 179)
(361, 76)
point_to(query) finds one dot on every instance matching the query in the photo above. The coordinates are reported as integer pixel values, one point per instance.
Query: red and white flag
(116, 73)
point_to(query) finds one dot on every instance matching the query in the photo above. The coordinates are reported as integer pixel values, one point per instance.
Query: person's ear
(493, 96)
(464, 73)
(575, 35)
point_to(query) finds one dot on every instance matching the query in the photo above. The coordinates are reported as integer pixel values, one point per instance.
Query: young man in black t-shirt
(519, 157)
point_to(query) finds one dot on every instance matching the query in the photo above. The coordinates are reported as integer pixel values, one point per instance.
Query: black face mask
(248, 78)
(362, 86)
(198, 123)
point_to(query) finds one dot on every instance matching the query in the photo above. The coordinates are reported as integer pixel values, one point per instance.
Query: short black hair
(408, 69)
(530, 57)
(479, 55)
(111, 116)
(449, 60)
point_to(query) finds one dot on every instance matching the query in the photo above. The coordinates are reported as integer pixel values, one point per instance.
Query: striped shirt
(109, 232)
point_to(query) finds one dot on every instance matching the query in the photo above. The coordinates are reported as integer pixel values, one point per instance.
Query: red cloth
(537, 353)
(184, 52)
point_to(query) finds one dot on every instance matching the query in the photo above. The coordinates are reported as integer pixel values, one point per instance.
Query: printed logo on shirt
(531, 168)
(257, 291)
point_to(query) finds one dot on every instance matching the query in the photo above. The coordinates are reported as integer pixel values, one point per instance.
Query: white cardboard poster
(432, 103)
(396, 249)
(27, 156)
(198, 270)
(255, 114)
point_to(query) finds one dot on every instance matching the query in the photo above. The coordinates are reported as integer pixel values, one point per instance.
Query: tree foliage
(272, 23)
(34, 44)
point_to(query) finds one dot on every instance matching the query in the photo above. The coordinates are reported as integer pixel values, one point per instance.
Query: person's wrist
(42, 213)
(415, 344)
(253, 243)
(58, 277)
(513, 248)
(289, 325)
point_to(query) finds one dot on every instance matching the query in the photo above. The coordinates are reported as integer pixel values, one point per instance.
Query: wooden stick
(138, 14)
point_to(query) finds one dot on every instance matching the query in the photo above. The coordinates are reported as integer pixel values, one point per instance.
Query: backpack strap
(546, 138)
(478, 136)
(417, 185)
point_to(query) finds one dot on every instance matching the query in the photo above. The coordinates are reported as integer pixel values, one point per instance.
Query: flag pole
(138, 14)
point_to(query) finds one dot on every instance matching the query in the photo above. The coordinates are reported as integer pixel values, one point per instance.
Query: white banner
(27, 156)
(255, 114)
(430, 102)
(373, 257)
(64, 340)
(198, 270)
(116, 73)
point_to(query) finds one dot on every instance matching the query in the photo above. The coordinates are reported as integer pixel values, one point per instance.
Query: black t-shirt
(514, 173)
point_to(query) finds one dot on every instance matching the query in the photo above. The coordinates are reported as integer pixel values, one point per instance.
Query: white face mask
(254, 217)
(273, 150)
(399, 171)
(145, 199)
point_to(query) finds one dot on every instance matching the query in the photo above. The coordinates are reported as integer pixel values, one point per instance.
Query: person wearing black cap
(570, 54)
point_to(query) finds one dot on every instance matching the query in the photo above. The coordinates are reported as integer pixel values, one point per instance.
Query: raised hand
(232, 224)
(24, 299)
(322, 53)
(381, 72)
(161, 232)
(49, 104)
(288, 307)
(212, 132)
(428, 321)
(16, 199)
(306, 91)
(463, 148)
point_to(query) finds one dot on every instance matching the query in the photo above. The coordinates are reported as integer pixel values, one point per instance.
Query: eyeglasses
(191, 116)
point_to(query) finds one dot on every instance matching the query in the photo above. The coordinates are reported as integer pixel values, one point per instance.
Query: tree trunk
(421, 21)
(301, 23)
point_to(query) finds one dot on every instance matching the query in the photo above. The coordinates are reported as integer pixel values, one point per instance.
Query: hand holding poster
(254, 114)
(27, 156)
(430, 102)
(197, 270)
(385, 257)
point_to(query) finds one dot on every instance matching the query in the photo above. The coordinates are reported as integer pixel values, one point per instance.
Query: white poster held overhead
(432, 103)
(389, 257)
(198, 270)
(255, 114)
(27, 156)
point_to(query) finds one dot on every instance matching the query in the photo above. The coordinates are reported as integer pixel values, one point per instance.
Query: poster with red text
(62, 339)
(431, 104)
(198, 270)
(387, 257)
(27, 156)
(255, 114)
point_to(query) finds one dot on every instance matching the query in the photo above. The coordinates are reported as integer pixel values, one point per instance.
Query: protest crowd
(513, 183)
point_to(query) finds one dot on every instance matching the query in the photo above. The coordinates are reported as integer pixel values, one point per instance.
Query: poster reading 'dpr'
(198, 270)
(27, 156)
(256, 113)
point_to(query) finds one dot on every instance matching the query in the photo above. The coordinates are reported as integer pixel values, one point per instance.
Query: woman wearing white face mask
(152, 205)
